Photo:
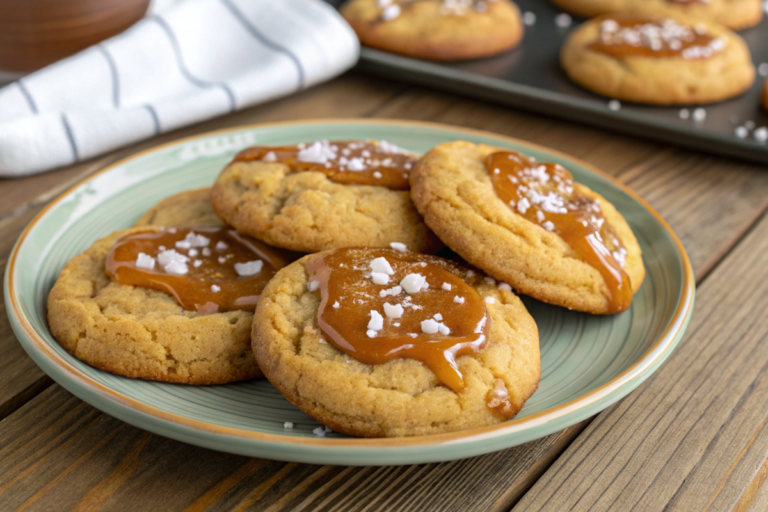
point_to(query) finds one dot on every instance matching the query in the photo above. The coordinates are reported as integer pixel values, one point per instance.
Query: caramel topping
(206, 269)
(350, 162)
(498, 400)
(380, 304)
(624, 37)
(545, 194)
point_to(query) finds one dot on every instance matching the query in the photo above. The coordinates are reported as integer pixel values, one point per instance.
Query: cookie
(382, 343)
(765, 96)
(529, 225)
(734, 14)
(188, 208)
(657, 61)
(436, 29)
(313, 197)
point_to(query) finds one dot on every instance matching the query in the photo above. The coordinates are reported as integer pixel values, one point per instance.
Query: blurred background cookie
(530, 225)
(188, 208)
(660, 61)
(735, 14)
(436, 29)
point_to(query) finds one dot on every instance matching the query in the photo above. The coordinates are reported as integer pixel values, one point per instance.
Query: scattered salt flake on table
(458, 300)
(312, 285)
(145, 261)
(741, 132)
(412, 283)
(288, 424)
(249, 268)
(319, 431)
(763, 69)
(761, 134)
(699, 114)
(215, 288)
(393, 311)
(614, 105)
(399, 246)
(447, 287)
(377, 321)
(379, 278)
(529, 18)
(382, 265)
(563, 20)
(684, 113)
(750, 125)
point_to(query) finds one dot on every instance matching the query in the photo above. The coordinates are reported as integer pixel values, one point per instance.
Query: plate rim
(638, 372)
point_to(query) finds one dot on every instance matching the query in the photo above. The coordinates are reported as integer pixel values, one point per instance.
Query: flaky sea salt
(458, 300)
(312, 285)
(379, 278)
(393, 311)
(398, 246)
(215, 288)
(382, 265)
(376, 322)
(145, 261)
(447, 287)
(413, 283)
(249, 268)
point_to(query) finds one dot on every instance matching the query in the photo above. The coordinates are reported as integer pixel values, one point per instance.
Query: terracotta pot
(35, 33)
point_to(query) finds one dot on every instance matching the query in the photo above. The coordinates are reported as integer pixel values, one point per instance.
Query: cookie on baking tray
(166, 304)
(188, 208)
(734, 14)
(659, 61)
(323, 195)
(530, 225)
(385, 342)
(436, 29)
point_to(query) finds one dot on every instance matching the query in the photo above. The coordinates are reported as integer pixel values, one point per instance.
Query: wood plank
(497, 480)
(694, 436)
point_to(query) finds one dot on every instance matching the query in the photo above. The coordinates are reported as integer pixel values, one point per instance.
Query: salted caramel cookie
(188, 208)
(323, 195)
(734, 14)
(530, 225)
(436, 29)
(384, 343)
(660, 61)
(173, 305)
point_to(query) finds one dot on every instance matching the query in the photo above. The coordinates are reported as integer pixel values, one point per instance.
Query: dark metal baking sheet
(529, 77)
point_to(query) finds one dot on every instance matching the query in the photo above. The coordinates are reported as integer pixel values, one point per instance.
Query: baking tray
(530, 78)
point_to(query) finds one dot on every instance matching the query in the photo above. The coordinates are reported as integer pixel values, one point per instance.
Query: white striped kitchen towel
(196, 60)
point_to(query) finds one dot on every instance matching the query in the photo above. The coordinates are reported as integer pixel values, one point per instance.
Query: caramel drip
(349, 296)
(349, 162)
(626, 37)
(545, 195)
(202, 278)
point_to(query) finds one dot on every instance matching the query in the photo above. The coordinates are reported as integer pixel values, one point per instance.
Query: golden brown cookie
(657, 61)
(734, 14)
(765, 96)
(143, 333)
(436, 29)
(402, 396)
(453, 189)
(188, 208)
(309, 210)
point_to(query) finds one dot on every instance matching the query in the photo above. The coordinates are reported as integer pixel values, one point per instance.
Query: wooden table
(692, 437)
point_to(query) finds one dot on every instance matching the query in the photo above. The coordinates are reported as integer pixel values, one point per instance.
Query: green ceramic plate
(588, 362)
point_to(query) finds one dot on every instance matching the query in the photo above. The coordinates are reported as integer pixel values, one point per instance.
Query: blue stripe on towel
(183, 67)
(113, 72)
(28, 96)
(255, 32)
(70, 136)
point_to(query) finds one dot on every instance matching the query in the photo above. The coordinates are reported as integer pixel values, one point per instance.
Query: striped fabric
(194, 61)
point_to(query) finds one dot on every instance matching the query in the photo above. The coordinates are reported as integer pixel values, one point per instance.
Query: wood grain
(694, 436)
(54, 443)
